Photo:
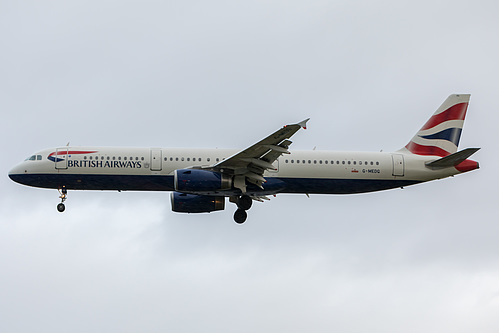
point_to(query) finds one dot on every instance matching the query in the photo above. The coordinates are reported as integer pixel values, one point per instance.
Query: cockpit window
(34, 158)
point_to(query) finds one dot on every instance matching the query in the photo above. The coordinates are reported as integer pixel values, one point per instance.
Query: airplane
(201, 179)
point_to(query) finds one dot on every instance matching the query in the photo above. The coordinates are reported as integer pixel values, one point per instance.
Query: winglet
(303, 123)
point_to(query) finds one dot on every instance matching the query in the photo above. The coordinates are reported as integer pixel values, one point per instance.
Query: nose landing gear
(243, 203)
(64, 194)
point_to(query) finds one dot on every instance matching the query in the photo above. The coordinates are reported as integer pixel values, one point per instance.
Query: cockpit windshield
(34, 158)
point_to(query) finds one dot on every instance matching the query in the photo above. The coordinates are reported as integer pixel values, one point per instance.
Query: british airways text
(104, 164)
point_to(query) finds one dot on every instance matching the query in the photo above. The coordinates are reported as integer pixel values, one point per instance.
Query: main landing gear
(243, 203)
(64, 195)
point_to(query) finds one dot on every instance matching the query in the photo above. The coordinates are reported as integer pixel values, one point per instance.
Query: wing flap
(259, 162)
(251, 163)
(279, 149)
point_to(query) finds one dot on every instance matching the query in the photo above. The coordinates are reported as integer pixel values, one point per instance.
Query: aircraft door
(398, 165)
(61, 158)
(275, 165)
(156, 164)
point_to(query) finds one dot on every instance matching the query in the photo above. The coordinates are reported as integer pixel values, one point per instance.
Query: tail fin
(441, 133)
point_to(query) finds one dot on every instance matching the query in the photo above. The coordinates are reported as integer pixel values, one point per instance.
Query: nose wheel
(64, 195)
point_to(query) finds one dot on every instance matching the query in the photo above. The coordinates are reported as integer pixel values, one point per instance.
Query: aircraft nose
(17, 172)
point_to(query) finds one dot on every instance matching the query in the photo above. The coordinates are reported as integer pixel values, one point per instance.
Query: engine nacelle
(199, 181)
(192, 203)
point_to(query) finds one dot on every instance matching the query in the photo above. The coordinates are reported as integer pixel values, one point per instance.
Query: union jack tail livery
(441, 133)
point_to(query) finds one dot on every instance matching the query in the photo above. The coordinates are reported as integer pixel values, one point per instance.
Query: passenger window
(218, 159)
(208, 159)
(182, 159)
(188, 159)
(315, 161)
(297, 161)
(320, 161)
(84, 157)
(119, 158)
(377, 163)
(124, 158)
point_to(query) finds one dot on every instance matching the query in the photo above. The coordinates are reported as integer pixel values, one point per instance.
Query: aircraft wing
(250, 164)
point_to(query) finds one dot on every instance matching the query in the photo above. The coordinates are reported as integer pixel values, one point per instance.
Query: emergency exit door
(156, 160)
(398, 165)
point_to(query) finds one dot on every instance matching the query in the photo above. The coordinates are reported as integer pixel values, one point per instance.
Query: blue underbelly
(165, 183)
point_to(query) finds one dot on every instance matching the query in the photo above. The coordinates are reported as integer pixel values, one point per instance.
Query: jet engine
(191, 203)
(199, 181)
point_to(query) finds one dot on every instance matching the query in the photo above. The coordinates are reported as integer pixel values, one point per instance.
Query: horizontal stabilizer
(452, 160)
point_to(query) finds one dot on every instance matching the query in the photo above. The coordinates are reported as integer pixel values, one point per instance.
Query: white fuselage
(328, 172)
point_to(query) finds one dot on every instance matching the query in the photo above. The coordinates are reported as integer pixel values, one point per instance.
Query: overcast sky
(226, 74)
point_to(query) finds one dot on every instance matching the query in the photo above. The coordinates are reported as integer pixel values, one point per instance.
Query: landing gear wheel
(240, 216)
(64, 195)
(244, 202)
(61, 207)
